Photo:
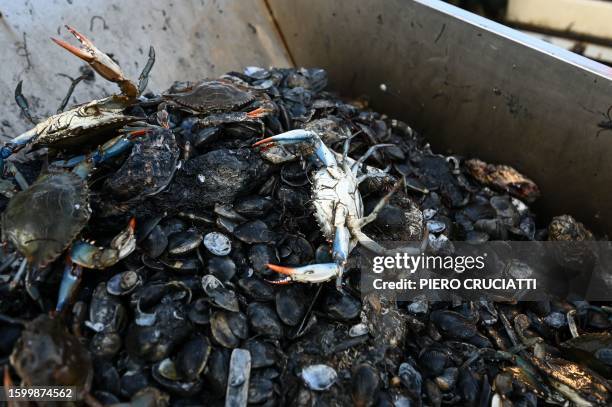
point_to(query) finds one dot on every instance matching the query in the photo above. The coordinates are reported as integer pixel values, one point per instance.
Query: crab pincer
(89, 255)
(305, 140)
(84, 125)
(259, 112)
(99, 61)
(84, 254)
(312, 273)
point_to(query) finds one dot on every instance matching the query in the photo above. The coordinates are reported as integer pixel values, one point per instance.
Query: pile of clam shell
(159, 327)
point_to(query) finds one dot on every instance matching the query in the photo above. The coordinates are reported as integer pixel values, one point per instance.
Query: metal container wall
(193, 40)
(471, 86)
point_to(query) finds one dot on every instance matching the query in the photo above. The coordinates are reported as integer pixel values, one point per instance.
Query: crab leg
(318, 273)
(221, 118)
(379, 206)
(83, 164)
(143, 79)
(73, 83)
(69, 284)
(118, 145)
(99, 61)
(19, 275)
(369, 243)
(367, 155)
(16, 144)
(88, 255)
(19, 178)
(23, 104)
(32, 289)
(302, 137)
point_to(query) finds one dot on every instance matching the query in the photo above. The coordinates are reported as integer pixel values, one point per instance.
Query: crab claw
(69, 284)
(288, 137)
(312, 273)
(91, 256)
(308, 141)
(259, 112)
(99, 61)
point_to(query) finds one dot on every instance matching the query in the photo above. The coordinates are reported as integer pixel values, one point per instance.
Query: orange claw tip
(280, 269)
(77, 34)
(139, 132)
(260, 111)
(74, 50)
(7, 380)
(263, 141)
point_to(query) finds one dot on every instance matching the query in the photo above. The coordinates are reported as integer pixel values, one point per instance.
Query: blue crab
(84, 124)
(61, 200)
(46, 354)
(338, 207)
(215, 102)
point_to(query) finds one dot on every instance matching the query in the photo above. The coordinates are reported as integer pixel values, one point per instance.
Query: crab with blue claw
(85, 124)
(61, 199)
(338, 207)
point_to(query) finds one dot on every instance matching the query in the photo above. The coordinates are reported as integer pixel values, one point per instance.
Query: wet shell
(228, 328)
(106, 312)
(124, 283)
(366, 382)
(319, 377)
(256, 289)
(211, 96)
(219, 296)
(148, 169)
(217, 243)
(291, 304)
(62, 210)
(264, 321)
(165, 373)
(192, 358)
(155, 243)
(263, 354)
(183, 242)
(47, 355)
(260, 390)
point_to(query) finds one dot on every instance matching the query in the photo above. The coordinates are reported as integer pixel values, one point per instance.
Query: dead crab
(84, 123)
(216, 101)
(337, 204)
(48, 355)
(61, 199)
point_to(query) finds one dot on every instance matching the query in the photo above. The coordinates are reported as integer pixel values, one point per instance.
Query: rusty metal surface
(472, 86)
(194, 39)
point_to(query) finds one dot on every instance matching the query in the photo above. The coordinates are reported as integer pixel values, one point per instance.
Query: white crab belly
(330, 191)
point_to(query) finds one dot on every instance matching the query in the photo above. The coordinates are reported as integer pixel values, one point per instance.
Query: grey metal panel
(194, 39)
(472, 86)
